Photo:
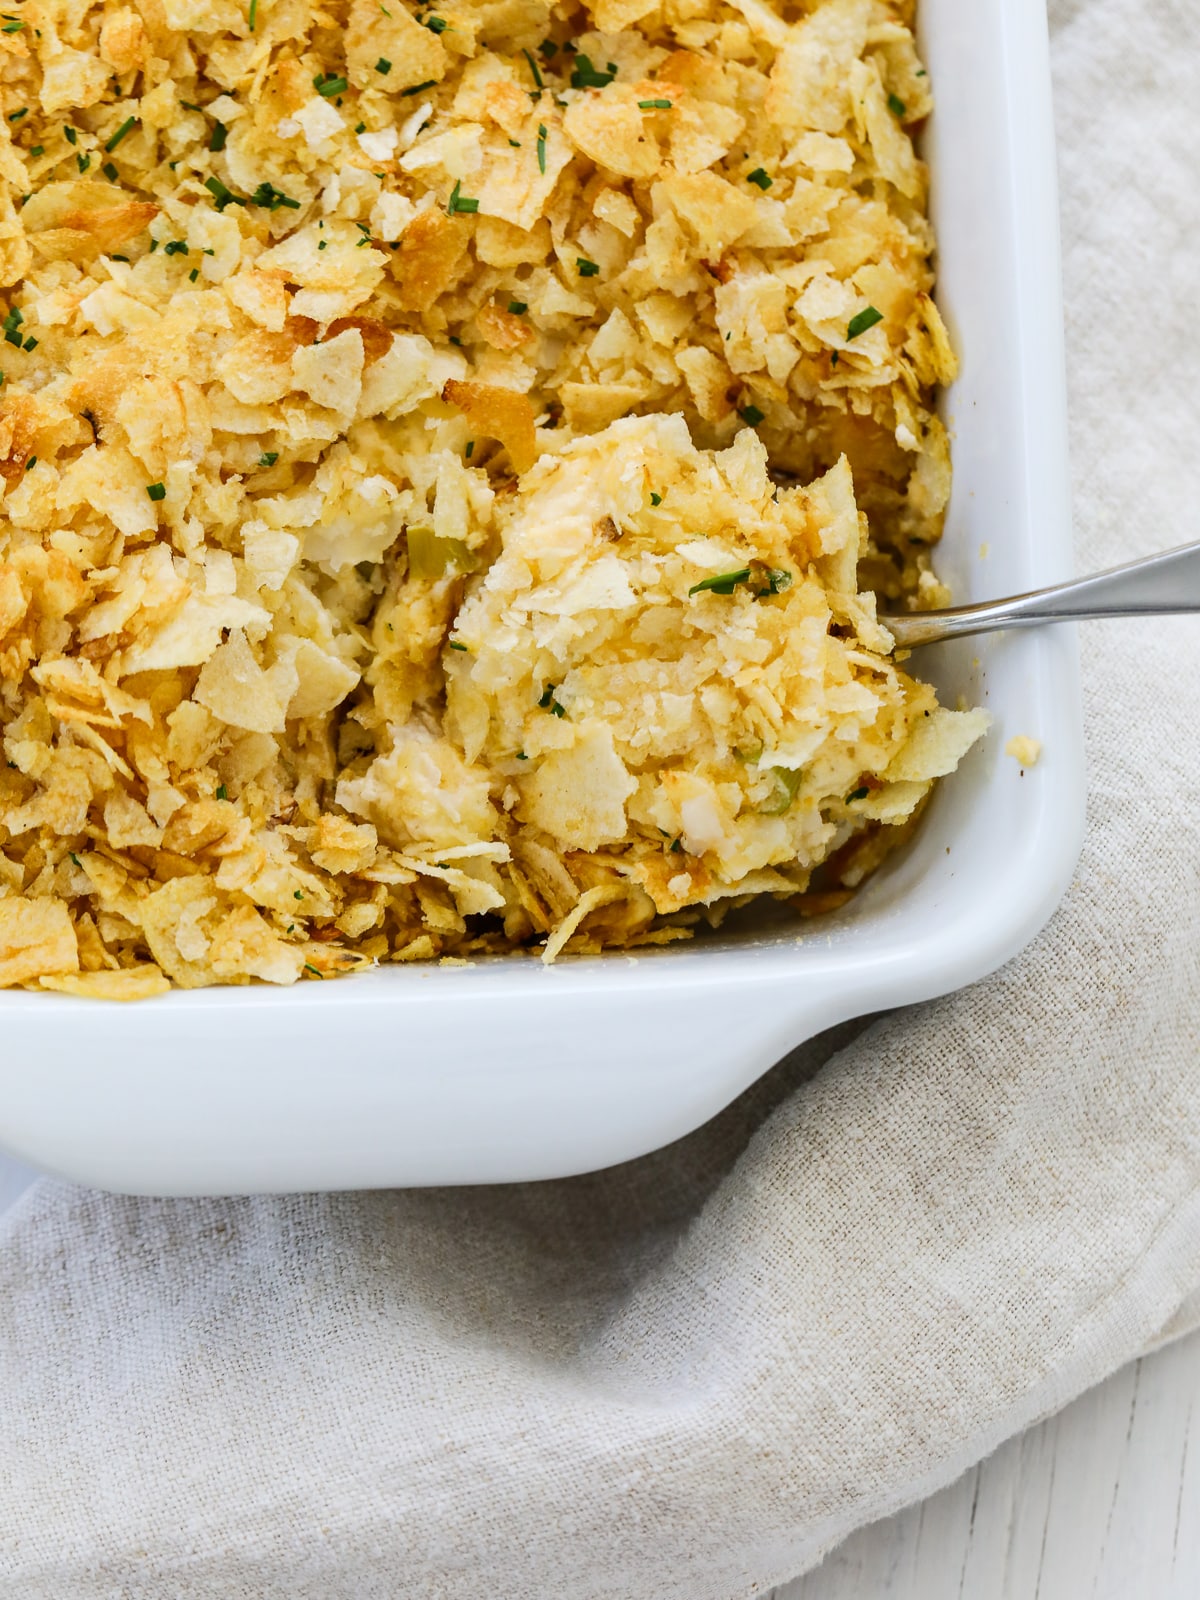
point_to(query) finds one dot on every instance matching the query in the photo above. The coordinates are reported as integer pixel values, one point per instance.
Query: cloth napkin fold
(686, 1378)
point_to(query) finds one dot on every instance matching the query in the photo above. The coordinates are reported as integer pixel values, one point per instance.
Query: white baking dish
(508, 1070)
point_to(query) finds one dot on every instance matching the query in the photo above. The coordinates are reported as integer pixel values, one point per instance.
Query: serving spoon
(1162, 585)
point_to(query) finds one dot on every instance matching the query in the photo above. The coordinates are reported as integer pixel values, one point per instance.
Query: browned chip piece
(503, 330)
(432, 250)
(36, 938)
(123, 40)
(612, 131)
(499, 414)
(81, 217)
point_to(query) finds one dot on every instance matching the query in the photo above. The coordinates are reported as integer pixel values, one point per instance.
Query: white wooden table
(1101, 1502)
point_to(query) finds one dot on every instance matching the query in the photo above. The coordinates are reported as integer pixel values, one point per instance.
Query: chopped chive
(857, 794)
(534, 68)
(518, 307)
(862, 321)
(75, 859)
(153, 246)
(298, 894)
(30, 343)
(549, 703)
(177, 247)
(521, 756)
(655, 499)
(360, 127)
(156, 491)
(83, 162)
(110, 172)
(268, 458)
(70, 135)
(896, 106)
(541, 147)
(515, 143)
(585, 76)
(435, 24)
(835, 358)
(460, 202)
(253, 16)
(383, 66)
(454, 645)
(587, 269)
(721, 582)
(127, 126)
(328, 87)
(470, 450)
(12, 27)
(324, 244)
(430, 83)
(219, 135)
(37, 149)
(676, 846)
(222, 792)
(193, 274)
(308, 967)
(760, 177)
(15, 116)
(654, 105)
(751, 415)
(223, 196)
(548, 48)
(30, 464)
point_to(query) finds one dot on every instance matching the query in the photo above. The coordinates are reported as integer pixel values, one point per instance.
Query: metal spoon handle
(1161, 585)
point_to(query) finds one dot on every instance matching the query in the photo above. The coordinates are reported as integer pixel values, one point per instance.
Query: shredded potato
(448, 457)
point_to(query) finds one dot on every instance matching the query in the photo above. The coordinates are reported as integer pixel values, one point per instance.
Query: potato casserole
(450, 453)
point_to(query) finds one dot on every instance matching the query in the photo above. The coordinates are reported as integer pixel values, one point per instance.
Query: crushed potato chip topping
(389, 564)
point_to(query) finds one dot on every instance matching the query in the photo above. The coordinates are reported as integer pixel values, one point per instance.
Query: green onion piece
(587, 269)
(534, 68)
(518, 307)
(460, 202)
(114, 140)
(219, 135)
(585, 75)
(862, 321)
(383, 66)
(268, 458)
(541, 147)
(156, 491)
(253, 16)
(751, 415)
(787, 783)
(896, 106)
(654, 105)
(760, 177)
(430, 83)
(721, 582)
(223, 196)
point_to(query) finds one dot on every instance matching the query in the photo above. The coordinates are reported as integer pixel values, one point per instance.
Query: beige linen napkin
(686, 1378)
